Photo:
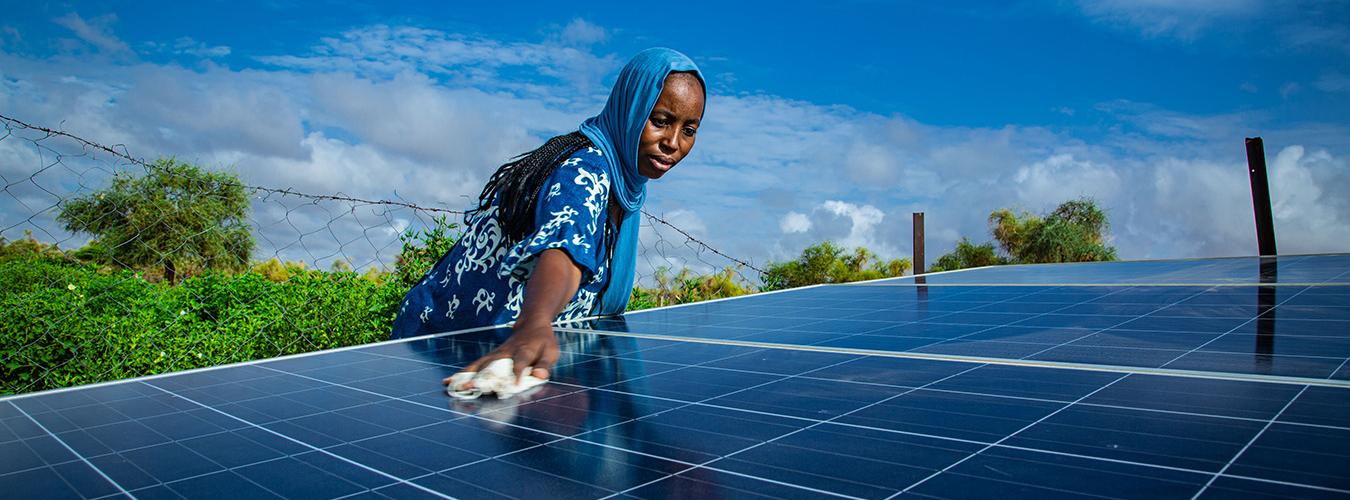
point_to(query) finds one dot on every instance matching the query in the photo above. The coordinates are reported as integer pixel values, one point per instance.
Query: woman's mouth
(661, 164)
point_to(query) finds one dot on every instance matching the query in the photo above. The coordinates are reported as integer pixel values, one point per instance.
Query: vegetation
(176, 216)
(70, 322)
(167, 283)
(685, 287)
(830, 263)
(968, 254)
(1075, 231)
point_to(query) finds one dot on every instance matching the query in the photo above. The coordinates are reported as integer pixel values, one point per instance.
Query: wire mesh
(320, 271)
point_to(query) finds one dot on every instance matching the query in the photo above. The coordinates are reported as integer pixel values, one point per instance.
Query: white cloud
(189, 46)
(1158, 121)
(1288, 89)
(96, 31)
(1308, 190)
(863, 219)
(1180, 19)
(795, 222)
(1046, 183)
(579, 32)
(425, 116)
(384, 51)
(1333, 81)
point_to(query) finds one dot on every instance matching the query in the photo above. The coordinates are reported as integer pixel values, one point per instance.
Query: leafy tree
(685, 286)
(422, 249)
(177, 216)
(968, 254)
(830, 263)
(30, 247)
(277, 271)
(340, 266)
(1073, 232)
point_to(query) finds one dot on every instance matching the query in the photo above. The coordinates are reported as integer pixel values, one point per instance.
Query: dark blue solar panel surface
(1295, 269)
(635, 417)
(1294, 331)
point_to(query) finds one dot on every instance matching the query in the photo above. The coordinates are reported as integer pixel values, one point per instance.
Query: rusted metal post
(918, 243)
(1256, 170)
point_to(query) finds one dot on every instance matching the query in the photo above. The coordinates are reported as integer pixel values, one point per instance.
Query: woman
(555, 232)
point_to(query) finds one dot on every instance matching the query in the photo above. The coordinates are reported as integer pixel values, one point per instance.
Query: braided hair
(517, 183)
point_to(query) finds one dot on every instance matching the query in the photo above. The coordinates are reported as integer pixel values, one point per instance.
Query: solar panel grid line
(300, 442)
(72, 451)
(1005, 438)
(325, 352)
(1066, 403)
(994, 361)
(565, 437)
(1231, 270)
(1103, 285)
(806, 375)
(407, 481)
(1339, 367)
(1300, 348)
(689, 304)
(195, 402)
(890, 324)
(704, 304)
(982, 305)
(1249, 444)
(1263, 422)
(1012, 324)
(1117, 325)
(1285, 301)
(558, 437)
(836, 417)
(814, 423)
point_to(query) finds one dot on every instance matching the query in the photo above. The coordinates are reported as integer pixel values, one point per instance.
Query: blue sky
(825, 121)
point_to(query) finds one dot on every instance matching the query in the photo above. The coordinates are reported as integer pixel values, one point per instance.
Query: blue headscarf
(616, 131)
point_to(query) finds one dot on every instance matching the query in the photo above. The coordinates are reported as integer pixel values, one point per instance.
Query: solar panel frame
(703, 416)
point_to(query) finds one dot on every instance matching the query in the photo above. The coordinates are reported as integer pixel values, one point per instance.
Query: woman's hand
(530, 346)
(532, 343)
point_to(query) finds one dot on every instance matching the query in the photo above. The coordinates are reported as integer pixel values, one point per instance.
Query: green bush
(69, 319)
(968, 254)
(685, 287)
(827, 262)
(67, 324)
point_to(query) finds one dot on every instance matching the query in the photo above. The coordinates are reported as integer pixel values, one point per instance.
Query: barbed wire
(356, 231)
(281, 191)
(703, 245)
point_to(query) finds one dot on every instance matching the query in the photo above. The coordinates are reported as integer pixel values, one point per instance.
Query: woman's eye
(659, 122)
(690, 131)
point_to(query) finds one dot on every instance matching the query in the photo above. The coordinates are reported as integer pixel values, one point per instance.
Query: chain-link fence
(113, 266)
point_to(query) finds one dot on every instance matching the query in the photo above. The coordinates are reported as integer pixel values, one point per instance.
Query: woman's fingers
(479, 363)
(523, 359)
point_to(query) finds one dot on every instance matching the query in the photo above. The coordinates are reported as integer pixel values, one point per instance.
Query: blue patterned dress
(481, 281)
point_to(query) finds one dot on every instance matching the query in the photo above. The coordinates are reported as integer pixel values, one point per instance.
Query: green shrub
(67, 324)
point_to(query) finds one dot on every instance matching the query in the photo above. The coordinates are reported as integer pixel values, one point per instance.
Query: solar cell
(863, 391)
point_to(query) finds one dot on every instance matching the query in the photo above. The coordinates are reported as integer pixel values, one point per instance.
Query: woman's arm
(551, 286)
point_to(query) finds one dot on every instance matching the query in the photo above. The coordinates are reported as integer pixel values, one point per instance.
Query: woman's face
(672, 126)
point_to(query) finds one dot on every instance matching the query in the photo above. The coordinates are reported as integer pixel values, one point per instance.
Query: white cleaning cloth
(496, 378)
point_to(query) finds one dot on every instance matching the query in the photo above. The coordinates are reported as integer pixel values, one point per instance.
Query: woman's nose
(670, 142)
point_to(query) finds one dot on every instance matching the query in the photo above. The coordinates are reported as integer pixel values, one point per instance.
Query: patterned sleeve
(570, 216)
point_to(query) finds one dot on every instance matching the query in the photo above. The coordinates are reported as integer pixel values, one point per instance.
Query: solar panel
(863, 391)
